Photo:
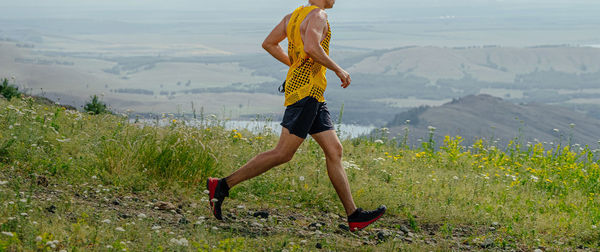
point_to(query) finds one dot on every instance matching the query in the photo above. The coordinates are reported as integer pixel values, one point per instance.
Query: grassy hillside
(71, 181)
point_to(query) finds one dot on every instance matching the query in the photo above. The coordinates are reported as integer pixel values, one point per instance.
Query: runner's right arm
(271, 43)
(317, 23)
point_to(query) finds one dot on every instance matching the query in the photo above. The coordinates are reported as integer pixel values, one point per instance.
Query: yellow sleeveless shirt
(305, 77)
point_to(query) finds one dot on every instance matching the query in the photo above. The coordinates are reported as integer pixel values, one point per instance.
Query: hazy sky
(270, 4)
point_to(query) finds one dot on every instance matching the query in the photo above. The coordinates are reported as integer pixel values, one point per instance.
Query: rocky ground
(179, 215)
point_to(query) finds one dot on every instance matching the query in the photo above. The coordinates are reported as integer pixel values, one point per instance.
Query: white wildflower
(3, 182)
(24, 214)
(556, 130)
(155, 227)
(431, 128)
(181, 242)
(64, 140)
(120, 229)
(8, 234)
(206, 192)
(534, 178)
(107, 221)
(455, 177)
(594, 227)
(379, 141)
(38, 239)
(23, 200)
(301, 178)
(141, 216)
(214, 200)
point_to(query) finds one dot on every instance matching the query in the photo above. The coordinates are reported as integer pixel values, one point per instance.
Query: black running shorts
(307, 116)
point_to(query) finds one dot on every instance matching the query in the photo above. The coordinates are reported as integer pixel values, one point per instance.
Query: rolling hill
(491, 118)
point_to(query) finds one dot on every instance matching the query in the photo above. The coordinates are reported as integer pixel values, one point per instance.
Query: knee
(335, 153)
(283, 157)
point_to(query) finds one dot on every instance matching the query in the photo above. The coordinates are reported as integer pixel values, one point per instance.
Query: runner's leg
(332, 148)
(283, 152)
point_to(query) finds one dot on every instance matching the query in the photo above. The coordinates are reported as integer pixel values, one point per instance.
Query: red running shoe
(217, 191)
(361, 219)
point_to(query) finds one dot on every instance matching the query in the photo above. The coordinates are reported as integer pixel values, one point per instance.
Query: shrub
(9, 91)
(95, 106)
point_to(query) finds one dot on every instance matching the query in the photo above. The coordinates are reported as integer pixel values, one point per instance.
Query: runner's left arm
(271, 43)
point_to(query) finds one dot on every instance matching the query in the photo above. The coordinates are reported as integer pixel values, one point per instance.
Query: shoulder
(318, 15)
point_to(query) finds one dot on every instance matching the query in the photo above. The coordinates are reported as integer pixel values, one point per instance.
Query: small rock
(316, 225)
(107, 221)
(256, 224)
(51, 209)
(165, 206)
(382, 235)
(318, 245)
(42, 181)
(495, 224)
(408, 239)
(141, 216)
(492, 228)
(487, 243)
(538, 250)
(261, 214)
(303, 242)
(183, 221)
(410, 234)
(404, 229)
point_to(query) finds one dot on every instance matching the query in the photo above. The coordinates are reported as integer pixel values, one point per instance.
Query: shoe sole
(356, 226)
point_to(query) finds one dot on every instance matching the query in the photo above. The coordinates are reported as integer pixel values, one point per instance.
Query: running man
(308, 34)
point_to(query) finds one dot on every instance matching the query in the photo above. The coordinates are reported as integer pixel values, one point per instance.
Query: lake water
(346, 130)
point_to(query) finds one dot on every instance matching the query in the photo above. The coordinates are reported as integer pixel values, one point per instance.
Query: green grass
(80, 179)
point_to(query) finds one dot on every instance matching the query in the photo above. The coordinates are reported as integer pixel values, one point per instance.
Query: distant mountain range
(486, 117)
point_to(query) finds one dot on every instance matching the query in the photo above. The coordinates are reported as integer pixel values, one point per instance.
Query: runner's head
(323, 4)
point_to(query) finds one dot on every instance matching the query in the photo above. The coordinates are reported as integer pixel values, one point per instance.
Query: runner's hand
(344, 77)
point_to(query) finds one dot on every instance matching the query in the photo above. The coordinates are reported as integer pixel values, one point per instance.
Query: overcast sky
(269, 4)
